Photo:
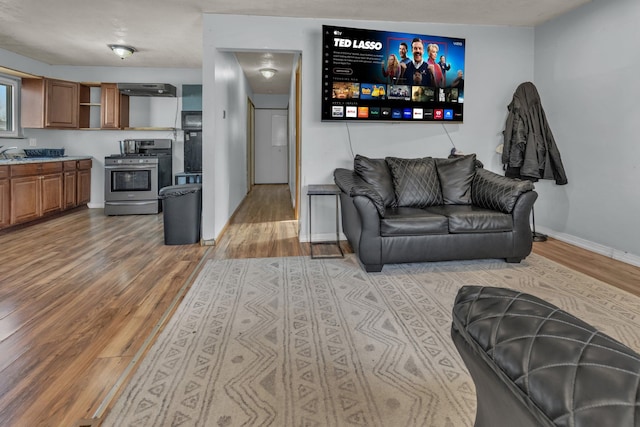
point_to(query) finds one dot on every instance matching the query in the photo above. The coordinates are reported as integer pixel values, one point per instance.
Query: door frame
(251, 136)
(298, 140)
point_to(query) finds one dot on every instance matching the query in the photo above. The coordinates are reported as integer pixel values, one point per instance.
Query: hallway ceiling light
(268, 72)
(121, 50)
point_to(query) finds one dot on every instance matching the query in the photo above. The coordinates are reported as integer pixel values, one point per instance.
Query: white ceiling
(168, 33)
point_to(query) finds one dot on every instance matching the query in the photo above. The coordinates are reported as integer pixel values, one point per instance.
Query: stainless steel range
(134, 177)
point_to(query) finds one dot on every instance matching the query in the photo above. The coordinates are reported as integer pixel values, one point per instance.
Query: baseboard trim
(592, 246)
(208, 242)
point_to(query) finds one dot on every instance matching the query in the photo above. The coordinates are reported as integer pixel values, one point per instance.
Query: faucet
(3, 153)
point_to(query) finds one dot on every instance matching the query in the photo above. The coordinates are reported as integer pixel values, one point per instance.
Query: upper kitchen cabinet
(102, 106)
(50, 103)
(115, 107)
(191, 97)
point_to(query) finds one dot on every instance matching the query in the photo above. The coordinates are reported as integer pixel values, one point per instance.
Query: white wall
(586, 72)
(224, 107)
(498, 59)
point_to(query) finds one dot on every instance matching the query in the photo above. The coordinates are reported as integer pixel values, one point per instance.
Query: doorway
(271, 146)
(280, 91)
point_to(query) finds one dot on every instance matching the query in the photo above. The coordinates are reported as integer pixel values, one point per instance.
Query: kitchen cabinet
(32, 190)
(102, 106)
(70, 184)
(191, 97)
(77, 183)
(83, 179)
(89, 106)
(5, 197)
(36, 190)
(114, 107)
(50, 103)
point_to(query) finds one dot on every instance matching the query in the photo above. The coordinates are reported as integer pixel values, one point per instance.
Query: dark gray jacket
(529, 150)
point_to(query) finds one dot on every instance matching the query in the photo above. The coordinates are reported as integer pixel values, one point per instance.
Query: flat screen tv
(373, 75)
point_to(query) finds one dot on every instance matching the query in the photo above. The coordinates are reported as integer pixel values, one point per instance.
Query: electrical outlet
(32, 142)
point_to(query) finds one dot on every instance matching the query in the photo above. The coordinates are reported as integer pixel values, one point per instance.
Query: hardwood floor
(80, 295)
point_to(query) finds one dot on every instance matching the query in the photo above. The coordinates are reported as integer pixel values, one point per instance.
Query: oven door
(131, 182)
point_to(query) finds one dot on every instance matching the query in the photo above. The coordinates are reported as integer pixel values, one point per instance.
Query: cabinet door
(114, 107)
(25, 203)
(5, 201)
(70, 189)
(51, 193)
(84, 186)
(62, 103)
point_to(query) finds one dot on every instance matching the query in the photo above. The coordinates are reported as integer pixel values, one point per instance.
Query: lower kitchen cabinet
(77, 183)
(83, 182)
(70, 189)
(34, 190)
(50, 194)
(5, 197)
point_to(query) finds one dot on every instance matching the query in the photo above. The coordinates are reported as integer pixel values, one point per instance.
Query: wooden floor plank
(80, 294)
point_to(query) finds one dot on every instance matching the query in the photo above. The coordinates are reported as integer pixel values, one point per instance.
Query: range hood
(147, 89)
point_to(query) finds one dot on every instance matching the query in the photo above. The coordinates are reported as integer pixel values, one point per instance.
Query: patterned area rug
(302, 342)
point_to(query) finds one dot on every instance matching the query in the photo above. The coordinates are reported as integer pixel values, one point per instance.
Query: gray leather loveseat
(429, 209)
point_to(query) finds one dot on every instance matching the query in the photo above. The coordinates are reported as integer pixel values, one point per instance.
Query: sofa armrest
(492, 191)
(350, 183)
(559, 366)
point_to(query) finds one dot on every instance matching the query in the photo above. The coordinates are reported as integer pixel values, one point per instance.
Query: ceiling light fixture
(121, 50)
(268, 72)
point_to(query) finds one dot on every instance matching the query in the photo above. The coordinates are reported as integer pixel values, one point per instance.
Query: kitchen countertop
(26, 160)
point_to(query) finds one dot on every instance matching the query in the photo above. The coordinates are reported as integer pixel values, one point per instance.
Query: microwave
(192, 120)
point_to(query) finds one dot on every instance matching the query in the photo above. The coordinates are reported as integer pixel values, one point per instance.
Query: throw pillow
(497, 192)
(415, 182)
(456, 175)
(375, 172)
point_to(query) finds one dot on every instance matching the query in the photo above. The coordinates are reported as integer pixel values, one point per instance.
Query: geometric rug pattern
(318, 342)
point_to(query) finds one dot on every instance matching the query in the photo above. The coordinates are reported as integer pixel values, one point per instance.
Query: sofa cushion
(415, 182)
(456, 175)
(473, 219)
(412, 222)
(375, 172)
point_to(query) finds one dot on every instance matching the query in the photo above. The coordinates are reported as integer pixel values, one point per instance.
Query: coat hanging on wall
(529, 150)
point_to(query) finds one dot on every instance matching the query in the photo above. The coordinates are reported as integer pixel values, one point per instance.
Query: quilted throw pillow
(375, 172)
(493, 191)
(415, 182)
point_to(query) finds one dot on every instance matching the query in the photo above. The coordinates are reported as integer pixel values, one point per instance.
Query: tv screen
(373, 75)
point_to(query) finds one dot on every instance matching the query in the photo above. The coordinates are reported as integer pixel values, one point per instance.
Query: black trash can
(181, 208)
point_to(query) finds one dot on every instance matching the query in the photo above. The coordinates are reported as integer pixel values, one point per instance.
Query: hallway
(264, 226)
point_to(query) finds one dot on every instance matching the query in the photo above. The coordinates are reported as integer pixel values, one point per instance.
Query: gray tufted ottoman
(535, 365)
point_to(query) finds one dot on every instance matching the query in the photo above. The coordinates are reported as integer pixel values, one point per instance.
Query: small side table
(325, 190)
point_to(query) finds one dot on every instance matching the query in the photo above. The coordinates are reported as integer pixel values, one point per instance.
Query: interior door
(271, 146)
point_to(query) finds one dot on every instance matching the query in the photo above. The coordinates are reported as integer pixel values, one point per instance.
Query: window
(9, 107)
